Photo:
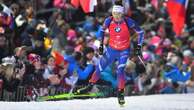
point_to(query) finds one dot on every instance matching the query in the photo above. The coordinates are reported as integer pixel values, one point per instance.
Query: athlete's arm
(105, 25)
(132, 24)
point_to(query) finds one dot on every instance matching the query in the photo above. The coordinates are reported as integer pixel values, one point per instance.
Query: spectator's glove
(138, 50)
(101, 48)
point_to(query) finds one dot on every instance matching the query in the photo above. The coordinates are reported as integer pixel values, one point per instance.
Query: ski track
(149, 102)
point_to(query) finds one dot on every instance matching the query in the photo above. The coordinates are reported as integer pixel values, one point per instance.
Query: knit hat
(8, 60)
(118, 7)
(155, 40)
(18, 50)
(146, 56)
(167, 42)
(88, 50)
(71, 34)
(187, 53)
(59, 59)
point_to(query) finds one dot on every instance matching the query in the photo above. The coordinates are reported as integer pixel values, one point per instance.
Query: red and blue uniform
(118, 48)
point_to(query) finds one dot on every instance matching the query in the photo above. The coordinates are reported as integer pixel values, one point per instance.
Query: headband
(118, 8)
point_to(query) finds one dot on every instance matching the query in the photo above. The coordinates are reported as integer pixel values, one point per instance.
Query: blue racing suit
(118, 48)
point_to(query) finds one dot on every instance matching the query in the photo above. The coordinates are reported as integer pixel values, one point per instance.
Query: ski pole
(141, 61)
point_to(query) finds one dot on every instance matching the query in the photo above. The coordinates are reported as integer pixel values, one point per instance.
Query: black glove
(138, 50)
(101, 48)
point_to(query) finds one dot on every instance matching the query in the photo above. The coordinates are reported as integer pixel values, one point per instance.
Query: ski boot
(85, 89)
(120, 96)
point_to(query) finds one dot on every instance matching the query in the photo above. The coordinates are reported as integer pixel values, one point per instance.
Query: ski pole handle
(101, 49)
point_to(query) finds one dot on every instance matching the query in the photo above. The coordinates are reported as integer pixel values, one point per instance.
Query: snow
(149, 102)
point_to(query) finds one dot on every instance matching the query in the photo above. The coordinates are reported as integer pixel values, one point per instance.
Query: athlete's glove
(101, 48)
(138, 50)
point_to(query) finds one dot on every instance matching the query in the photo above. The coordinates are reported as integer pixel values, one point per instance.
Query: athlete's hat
(118, 7)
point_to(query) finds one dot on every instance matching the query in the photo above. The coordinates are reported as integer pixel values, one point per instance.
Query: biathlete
(118, 48)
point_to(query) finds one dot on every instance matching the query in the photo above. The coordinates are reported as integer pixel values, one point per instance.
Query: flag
(86, 5)
(75, 3)
(177, 13)
(59, 3)
(155, 4)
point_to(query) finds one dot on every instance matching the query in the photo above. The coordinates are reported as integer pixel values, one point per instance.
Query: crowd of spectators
(52, 44)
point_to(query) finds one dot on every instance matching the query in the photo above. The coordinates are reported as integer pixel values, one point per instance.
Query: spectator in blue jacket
(74, 66)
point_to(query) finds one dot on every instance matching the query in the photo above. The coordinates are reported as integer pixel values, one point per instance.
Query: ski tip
(40, 99)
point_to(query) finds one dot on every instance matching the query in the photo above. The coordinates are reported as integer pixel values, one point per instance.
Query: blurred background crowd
(53, 44)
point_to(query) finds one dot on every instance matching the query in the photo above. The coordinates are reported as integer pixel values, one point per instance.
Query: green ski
(69, 96)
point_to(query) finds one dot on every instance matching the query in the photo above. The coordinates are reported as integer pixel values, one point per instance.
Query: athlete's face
(117, 16)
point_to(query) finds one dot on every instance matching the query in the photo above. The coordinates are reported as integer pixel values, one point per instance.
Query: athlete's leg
(120, 68)
(121, 76)
(104, 61)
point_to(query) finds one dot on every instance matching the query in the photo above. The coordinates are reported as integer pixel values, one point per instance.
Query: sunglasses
(35, 58)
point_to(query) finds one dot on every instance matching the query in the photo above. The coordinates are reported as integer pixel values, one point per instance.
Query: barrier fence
(25, 94)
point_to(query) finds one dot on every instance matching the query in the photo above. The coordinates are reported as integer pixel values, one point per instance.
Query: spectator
(50, 72)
